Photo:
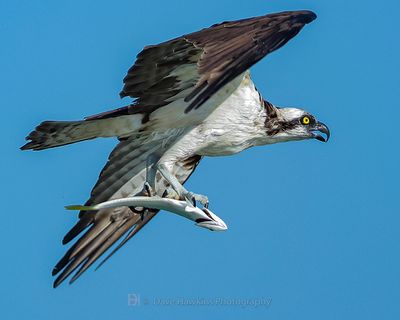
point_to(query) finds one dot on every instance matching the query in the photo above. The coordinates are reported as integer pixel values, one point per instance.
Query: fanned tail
(50, 134)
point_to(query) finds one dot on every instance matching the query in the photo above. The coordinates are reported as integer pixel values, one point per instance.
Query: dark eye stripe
(276, 127)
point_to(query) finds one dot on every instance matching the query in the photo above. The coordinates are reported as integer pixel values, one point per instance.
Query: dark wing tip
(305, 16)
(82, 224)
(25, 146)
(122, 94)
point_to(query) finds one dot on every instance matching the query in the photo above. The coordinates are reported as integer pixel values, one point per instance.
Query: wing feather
(213, 57)
(166, 82)
(132, 224)
(107, 226)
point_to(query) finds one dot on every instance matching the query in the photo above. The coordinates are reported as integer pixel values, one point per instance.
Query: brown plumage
(221, 53)
(212, 57)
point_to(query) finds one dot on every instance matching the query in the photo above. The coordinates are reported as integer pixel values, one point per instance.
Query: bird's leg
(190, 197)
(149, 191)
(149, 186)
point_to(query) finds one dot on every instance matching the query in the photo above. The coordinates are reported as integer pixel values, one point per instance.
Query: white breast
(237, 124)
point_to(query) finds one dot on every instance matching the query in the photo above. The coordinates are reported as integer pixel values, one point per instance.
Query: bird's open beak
(321, 127)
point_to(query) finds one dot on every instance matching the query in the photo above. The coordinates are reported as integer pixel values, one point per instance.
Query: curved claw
(148, 189)
(192, 198)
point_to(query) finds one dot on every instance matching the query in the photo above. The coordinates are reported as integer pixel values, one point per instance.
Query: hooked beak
(320, 127)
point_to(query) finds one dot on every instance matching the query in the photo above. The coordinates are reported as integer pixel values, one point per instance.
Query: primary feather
(192, 97)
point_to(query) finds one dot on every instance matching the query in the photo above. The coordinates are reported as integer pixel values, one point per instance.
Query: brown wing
(197, 65)
(188, 69)
(123, 175)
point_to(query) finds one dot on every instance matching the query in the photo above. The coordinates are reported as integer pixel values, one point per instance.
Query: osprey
(193, 97)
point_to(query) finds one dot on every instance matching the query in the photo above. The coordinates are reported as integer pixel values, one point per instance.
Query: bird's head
(288, 124)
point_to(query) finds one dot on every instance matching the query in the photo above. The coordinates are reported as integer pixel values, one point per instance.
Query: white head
(289, 124)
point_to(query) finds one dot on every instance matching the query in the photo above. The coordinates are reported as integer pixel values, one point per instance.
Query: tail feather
(50, 134)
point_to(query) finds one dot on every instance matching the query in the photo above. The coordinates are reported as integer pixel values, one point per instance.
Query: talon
(203, 200)
(148, 189)
(143, 213)
(191, 198)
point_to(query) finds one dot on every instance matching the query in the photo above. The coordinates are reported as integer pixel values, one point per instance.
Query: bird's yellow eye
(305, 120)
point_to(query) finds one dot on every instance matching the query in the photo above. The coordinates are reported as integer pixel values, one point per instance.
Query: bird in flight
(192, 97)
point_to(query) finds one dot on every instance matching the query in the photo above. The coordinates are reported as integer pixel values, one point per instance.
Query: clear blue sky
(321, 235)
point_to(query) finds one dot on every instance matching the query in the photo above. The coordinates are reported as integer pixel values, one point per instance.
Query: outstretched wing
(176, 77)
(123, 175)
(167, 82)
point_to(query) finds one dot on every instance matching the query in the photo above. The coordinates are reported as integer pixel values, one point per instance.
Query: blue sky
(320, 238)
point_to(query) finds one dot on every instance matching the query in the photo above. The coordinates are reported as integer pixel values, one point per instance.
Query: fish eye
(305, 120)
